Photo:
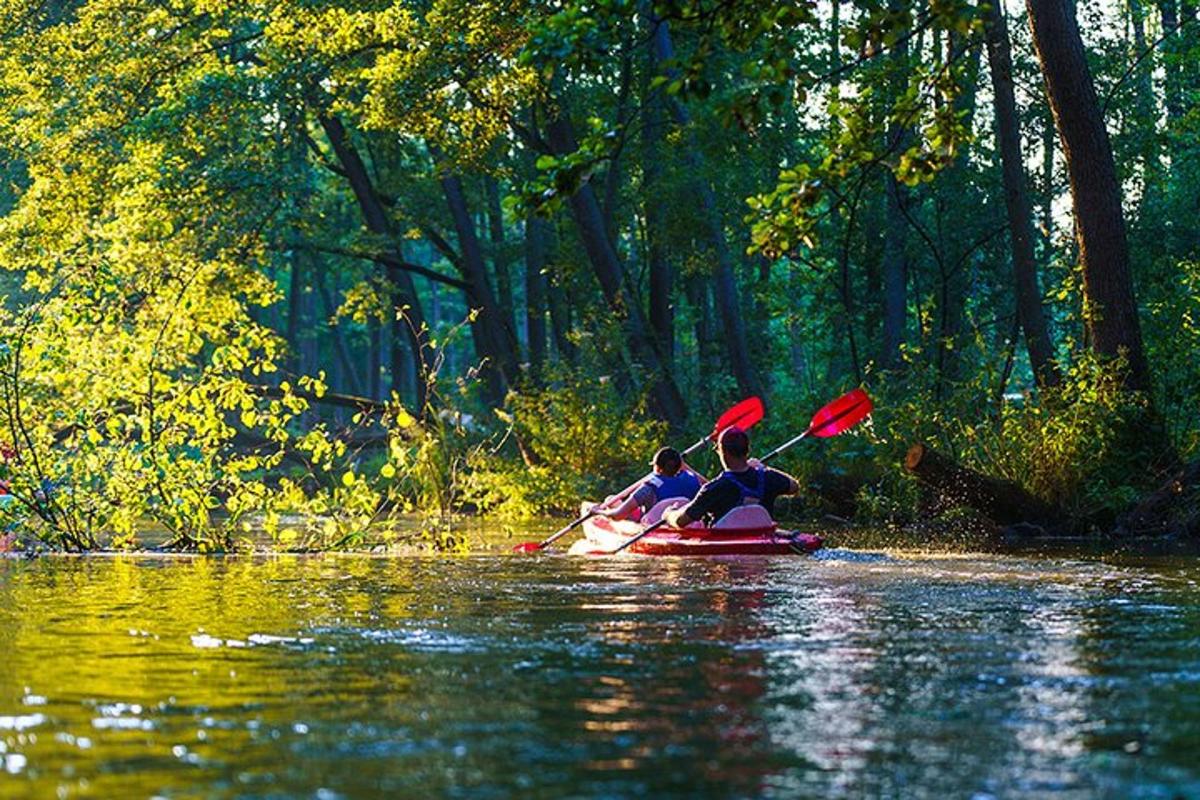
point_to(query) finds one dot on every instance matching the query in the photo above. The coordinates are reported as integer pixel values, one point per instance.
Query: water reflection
(494, 676)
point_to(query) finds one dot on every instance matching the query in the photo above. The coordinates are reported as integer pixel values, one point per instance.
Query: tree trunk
(336, 333)
(495, 342)
(1003, 502)
(956, 255)
(662, 314)
(895, 259)
(406, 301)
(405, 379)
(706, 359)
(835, 43)
(500, 260)
(374, 358)
(1172, 63)
(612, 175)
(535, 290)
(1030, 312)
(585, 211)
(1172, 509)
(895, 273)
(724, 283)
(1145, 115)
(1189, 13)
(560, 322)
(1047, 197)
(292, 332)
(1111, 311)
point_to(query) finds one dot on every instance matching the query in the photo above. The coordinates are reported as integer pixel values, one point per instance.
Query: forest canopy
(295, 266)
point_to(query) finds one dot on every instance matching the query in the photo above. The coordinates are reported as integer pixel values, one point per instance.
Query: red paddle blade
(841, 414)
(744, 415)
(527, 547)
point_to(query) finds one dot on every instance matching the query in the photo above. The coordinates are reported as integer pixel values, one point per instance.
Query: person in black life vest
(671, 478)
(744, 481)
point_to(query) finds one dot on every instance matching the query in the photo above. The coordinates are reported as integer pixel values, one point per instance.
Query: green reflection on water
(849, 675)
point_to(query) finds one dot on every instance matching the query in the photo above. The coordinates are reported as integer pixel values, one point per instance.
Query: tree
(1030, 313)
(408, 318)
(1110, 308)
(610, 272)
(724, 285)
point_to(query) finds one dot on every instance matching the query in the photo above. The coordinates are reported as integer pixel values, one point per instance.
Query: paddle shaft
(620, 496)
(785, 445)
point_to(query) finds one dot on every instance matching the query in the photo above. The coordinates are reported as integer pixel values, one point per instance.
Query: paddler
(671, 478)
(745, 481)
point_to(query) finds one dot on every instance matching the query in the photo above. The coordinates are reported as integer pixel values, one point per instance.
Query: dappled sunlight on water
(896, 674)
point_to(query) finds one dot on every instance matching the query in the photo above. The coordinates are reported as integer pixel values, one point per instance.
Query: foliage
(192, 264)
(1173, 328)
(587, 436)
(1071, 446)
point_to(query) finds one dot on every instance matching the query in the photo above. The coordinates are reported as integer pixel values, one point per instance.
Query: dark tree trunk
(412, 328)
(706, 349)
(1187, 34)
(292, 332)
(405, 378)
(953, 263)
(895, 239)
(835, 41)
(1172, 62)
(612, 175)
(1172, 509)
(1145, 116)
(589, 221)
(1000, 501)
(1111, 311)
(1016, 197)
(495, 342)
(500, 260)
(535, 290)
(560, 321)
(1047, 197)
(662, 314)
(340, 347)
(374, 358)
(894, 269)
(724, 284)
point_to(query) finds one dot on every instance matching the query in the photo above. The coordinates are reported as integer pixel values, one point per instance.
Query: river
(852, 674)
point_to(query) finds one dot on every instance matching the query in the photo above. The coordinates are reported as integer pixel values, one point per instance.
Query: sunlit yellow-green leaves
(157, 179)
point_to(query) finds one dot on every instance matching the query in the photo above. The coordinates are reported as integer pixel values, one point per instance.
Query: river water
(850, 674)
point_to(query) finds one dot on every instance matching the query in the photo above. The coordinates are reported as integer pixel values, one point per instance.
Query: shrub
(582, 437)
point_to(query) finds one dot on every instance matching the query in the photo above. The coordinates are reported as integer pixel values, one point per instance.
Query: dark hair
(668, 461)
(734, 442)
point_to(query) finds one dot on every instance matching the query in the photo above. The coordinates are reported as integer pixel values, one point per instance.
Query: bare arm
(622, 511)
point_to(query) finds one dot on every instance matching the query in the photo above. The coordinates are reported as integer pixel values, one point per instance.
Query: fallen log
(1172, 509)
(837, 493)
(1001, 501)
(363, 404)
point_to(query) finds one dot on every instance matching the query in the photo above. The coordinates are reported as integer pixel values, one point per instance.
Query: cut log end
(912, 459)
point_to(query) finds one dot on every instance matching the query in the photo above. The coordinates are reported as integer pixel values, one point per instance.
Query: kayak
(727, 538)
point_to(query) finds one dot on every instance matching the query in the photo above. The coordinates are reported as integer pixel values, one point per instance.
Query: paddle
(743, 414)
(836, 417)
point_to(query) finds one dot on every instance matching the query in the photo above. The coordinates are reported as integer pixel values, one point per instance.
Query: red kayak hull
(603, 535)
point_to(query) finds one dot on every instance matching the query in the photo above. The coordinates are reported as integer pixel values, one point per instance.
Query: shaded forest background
(293, 266)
